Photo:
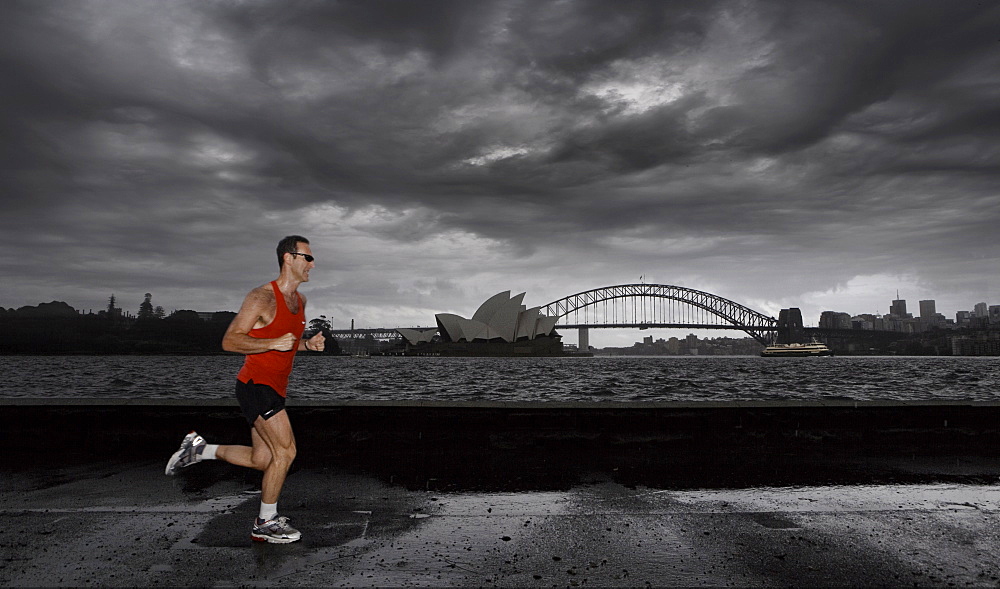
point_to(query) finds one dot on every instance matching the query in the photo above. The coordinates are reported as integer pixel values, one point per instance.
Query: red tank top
(273, 367)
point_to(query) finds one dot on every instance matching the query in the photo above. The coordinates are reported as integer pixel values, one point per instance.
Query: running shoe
(191, 448)
(275, 531)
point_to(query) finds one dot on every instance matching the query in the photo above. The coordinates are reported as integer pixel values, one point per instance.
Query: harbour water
(615, 379)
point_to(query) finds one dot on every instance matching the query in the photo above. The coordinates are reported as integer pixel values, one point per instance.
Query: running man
(268, 329)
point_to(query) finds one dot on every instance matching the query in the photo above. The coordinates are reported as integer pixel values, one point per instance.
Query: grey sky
(811, 154)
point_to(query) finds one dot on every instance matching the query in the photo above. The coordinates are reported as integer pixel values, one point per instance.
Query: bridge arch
(659, 305)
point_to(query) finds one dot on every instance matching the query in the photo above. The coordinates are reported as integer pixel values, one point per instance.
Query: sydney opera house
(502, 326)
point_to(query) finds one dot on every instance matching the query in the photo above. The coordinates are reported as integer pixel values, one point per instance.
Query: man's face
(299, 265)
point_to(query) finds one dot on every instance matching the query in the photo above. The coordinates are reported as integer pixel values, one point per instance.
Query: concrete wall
(514, 446)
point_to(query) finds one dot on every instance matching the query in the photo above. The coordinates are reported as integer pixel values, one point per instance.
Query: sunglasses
(308, 257)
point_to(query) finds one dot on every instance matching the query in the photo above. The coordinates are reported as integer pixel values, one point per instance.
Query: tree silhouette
(322, 324)
(146, 307)
(318, 324)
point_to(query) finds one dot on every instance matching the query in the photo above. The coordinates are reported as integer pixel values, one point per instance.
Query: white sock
(268, 511)
(208, 453)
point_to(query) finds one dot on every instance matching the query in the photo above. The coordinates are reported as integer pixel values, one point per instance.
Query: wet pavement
(126, 524)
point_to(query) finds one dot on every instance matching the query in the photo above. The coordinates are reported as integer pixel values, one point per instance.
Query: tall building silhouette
(898, 307)
(927, 309)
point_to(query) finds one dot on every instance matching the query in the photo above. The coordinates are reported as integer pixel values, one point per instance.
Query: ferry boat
(801, 350)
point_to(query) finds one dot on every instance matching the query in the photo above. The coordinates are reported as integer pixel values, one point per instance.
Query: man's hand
(284, 343)
(316, 343)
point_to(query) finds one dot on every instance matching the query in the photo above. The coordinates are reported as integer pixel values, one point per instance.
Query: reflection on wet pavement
(129, 525)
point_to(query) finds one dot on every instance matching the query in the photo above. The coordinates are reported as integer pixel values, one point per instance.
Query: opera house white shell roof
(500, 317)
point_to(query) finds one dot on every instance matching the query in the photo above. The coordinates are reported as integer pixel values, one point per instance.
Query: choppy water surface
(517, 379)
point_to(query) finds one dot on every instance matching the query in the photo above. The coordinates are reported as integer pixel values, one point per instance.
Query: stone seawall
(514, 446)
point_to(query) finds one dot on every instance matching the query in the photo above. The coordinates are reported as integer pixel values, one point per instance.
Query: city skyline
(778, 154)
(927, 309)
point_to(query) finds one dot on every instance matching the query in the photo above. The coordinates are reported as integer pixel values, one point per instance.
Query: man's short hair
(289, 245)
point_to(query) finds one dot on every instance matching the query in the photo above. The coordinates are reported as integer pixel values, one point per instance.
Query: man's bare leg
(273, 451)
(273, 439)
(279, 443)
(257, 457)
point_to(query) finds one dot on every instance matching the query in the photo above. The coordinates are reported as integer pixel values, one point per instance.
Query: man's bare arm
(316, 343)
(255, 308)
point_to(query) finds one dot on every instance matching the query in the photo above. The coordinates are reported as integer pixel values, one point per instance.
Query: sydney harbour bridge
(642, 306)
(648, 306)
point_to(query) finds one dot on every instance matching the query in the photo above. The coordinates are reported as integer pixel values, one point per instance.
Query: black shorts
(258, 400)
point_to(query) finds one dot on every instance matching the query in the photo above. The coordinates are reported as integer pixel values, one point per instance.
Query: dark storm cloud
(178, 132)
